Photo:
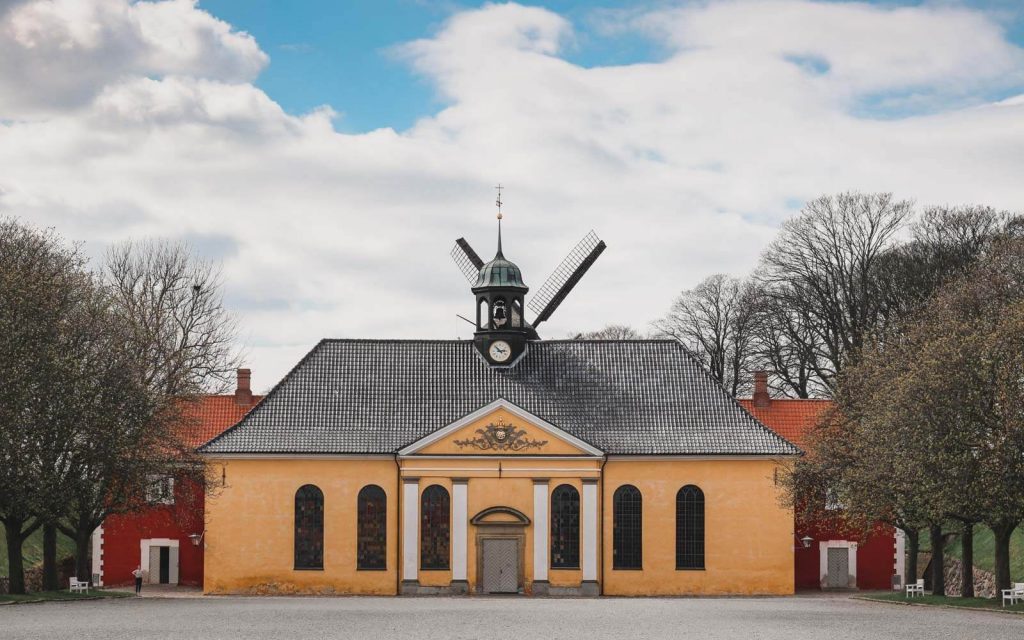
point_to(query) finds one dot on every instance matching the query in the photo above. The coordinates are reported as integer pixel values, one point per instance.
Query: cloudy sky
(329, 153)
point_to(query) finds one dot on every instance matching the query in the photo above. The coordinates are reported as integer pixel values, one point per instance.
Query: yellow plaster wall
(748, 535)
(512, 486)
(250, 527)
(554, 446)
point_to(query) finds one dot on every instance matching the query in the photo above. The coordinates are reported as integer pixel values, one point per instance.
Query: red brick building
(838, 557)
(157, 537)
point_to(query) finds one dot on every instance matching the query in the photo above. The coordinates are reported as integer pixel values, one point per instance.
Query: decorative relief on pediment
(501, 437)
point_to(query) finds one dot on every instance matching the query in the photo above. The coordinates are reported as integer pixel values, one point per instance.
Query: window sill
(627, 568)
(435, 569)
(371, 568)
(576, 568)
(307, 569)
(691, 568)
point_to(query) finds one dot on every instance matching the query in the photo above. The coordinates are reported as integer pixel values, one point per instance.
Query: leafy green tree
(42, 284)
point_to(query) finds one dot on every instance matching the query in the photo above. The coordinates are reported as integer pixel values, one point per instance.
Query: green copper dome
(500, 272)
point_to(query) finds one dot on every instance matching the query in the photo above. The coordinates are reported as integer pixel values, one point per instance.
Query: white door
(154, 565)
(172, 567)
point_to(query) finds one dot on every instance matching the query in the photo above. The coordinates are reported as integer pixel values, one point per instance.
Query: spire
(498, 202)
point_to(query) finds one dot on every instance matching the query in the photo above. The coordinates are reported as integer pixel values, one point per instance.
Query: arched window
(372, 528)
(435, 515)
(565, 528)
(627, 528)
(690, 528)
(309, 527)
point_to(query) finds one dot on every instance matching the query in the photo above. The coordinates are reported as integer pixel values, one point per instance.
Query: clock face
(500, 351)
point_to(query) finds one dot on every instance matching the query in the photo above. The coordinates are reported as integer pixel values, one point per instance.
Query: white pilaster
(460, 525)
(590, 523)
(541, 534)
(901, 556)
(410, 527)
(97, 555)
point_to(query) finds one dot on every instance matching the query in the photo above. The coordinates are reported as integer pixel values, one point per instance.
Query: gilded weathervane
(501, 437)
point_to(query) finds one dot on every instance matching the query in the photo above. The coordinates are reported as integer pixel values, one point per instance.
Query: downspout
(601, 511)
(398, 527)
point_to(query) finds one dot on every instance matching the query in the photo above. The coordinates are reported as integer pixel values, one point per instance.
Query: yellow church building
(506, 464)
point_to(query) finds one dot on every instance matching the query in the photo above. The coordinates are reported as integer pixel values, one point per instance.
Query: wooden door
(838, 567)
(501, 565)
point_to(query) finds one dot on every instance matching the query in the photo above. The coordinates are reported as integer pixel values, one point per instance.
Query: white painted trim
(299, 456)
(590, 531)
(97, 555)
(851, 548)
(144, 546)
(410, 528)
(540, 530)
(460, 525)
(500, 403)
(415, 470)
(683, 457)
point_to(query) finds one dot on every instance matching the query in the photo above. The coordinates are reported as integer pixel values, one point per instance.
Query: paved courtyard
(832, 618)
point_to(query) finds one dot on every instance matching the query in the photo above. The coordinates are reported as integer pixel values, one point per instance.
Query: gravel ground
(812, 617)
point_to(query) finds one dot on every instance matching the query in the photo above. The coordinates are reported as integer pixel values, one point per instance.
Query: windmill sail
(467, 260)
(565, 277)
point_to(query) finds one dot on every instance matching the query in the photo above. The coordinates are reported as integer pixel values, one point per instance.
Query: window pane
(309, 528)
(565, 528)
(435, 516)
(627, 528)
(372, 534)
(690, 528)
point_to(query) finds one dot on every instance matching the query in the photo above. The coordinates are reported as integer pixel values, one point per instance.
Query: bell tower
(501, 328)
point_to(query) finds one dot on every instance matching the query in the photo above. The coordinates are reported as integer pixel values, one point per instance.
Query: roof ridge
(466, 341)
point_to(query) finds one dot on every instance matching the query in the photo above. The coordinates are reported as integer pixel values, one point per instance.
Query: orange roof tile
(212, 415)
(790, 418)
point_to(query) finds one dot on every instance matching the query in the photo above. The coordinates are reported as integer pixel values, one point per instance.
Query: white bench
(79, 586)
(1014, 594)
(915, 589)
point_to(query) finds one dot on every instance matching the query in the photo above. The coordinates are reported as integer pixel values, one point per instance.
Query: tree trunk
(967, 561)
(50, 557)
(15, 564)
(938, 559)
(1002, 533)
(913, 548)
(82, 568)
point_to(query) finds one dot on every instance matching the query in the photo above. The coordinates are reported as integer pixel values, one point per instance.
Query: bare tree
(174, 302)
(715, 320)
(611, 332)
(822, 267)
(782, 347)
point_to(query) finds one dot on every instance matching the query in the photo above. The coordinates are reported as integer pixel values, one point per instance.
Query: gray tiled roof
(377, 396)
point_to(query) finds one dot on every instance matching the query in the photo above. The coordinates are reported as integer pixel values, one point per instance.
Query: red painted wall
(123, 534)
(876, 553)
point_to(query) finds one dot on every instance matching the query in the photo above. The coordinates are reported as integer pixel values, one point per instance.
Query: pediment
(500, 516)
(501, 429)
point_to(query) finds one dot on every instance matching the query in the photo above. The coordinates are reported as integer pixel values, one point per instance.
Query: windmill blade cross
(565, 277)
(466, 260)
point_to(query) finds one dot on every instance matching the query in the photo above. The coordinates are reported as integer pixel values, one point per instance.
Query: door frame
(144, 546)
(851, 548)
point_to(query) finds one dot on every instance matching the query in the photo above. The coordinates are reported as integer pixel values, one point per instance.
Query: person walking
(138, 579)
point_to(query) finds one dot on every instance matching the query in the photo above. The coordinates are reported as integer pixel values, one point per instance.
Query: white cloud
(58, 54)
(140, 119)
